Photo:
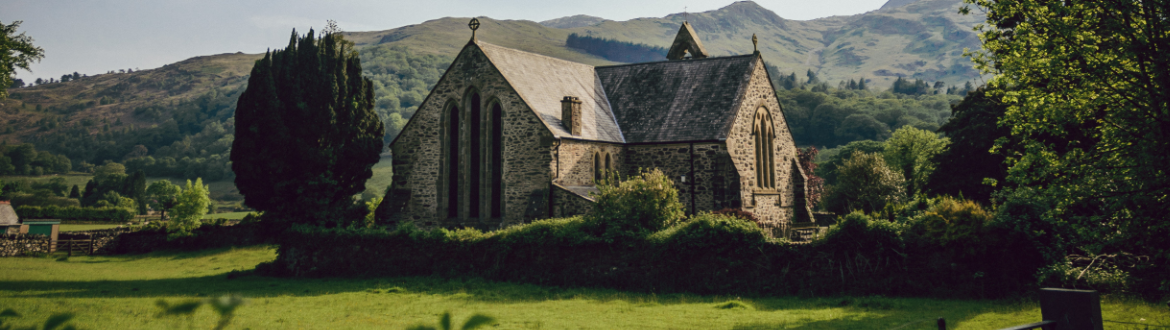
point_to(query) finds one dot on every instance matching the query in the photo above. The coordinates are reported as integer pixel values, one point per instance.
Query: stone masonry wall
(774, 208)
(710, 175)
(573, 161)
(420, 167)
(567, 203)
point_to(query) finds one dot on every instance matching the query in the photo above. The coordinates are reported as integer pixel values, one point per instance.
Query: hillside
(177, 120)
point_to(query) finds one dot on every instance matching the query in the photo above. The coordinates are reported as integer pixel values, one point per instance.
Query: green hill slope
(181, 114)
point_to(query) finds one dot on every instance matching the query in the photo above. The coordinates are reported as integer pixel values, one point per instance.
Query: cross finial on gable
(687, 41)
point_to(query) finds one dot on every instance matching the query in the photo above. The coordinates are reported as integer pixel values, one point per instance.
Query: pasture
(121, 292)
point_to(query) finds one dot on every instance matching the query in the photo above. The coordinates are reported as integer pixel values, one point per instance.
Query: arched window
(762, 129)
(453, 162)
(497, 161)
(608, 165)
(596, 167)
(475, 118)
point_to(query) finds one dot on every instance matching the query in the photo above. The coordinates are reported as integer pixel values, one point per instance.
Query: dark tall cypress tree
(135, 187)
(90, 196)
(75, 193)
(306, 131)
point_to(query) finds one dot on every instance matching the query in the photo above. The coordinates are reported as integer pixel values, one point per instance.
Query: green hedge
(95, 214)
(706, 254)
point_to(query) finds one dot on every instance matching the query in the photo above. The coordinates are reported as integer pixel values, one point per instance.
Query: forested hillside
(833, 74)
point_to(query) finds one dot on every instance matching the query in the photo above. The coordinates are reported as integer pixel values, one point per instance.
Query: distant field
(383, 175)
(65, 228)
(71, 179)
(228, 215)
(120, 292)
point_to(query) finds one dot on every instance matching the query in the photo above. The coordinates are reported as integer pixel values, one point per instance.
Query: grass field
(227, 215)
(120, 292)
(68, 227)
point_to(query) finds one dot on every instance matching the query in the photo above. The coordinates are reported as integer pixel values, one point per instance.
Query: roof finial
(474, 25)
(755, 44)
(685, 15)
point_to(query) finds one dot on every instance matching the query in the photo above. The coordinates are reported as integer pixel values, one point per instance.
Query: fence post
(91, 243)
(1071, 309)
(69, 245)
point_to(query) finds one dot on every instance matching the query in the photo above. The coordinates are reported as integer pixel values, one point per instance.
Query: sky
(96, 36)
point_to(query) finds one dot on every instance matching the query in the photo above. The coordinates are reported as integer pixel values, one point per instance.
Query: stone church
(508, 136)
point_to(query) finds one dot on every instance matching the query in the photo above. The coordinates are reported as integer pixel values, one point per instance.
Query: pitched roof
(8, 215)
(687, 100)
(543, 81)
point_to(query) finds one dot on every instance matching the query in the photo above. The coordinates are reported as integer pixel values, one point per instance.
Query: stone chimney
(571, 115)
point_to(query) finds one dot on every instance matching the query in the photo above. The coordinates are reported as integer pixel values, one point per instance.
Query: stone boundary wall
(22, 244)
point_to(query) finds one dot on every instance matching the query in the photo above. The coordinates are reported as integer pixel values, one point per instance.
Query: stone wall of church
(420, 181)
(775, 207)
(711, 178)
(567, 203)
(573, 160)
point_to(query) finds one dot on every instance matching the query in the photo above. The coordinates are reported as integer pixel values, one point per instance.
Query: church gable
(544, 81)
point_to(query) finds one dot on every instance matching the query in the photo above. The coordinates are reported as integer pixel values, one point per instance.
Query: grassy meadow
(120, 292)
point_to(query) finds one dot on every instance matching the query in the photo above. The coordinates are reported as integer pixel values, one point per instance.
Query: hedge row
(205, 237)
(96, 214)
(707, 254)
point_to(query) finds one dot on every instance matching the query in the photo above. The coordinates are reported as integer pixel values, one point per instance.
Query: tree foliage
(188, 212)
(1089, 101)
(16, 52)
(865, 183)
(911, 151)
(968, 166)
(307, 134)
(163, 195)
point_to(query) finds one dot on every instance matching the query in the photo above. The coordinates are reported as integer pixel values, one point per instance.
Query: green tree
(163, 195)
(16, 51)
(188, 212)
(968, 167)
(865, 183)
(911, 151)
(135, 187)
(75, 192)
(1089, 101)
(306, 133)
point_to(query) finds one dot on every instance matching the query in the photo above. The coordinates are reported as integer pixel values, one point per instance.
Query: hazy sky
(95, 36)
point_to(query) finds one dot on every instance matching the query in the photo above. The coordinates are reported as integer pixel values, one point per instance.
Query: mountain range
(922, 39)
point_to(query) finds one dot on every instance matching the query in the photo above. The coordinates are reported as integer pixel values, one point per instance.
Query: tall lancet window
(453, 162)
(764, 134)
(475, 119)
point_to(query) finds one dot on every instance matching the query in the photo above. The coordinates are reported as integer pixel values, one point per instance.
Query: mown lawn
(70, 227)
(120, 292)
(226, 215)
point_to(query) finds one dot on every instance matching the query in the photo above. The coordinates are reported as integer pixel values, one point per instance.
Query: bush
(858, 233)
(636, 207)
(710, 230)
(740, 214)
(957, 225)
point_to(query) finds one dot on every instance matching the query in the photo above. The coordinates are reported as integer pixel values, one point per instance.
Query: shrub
(709, 230)
(636, 207)
(740, 214)
(858, 233)
(957, 225)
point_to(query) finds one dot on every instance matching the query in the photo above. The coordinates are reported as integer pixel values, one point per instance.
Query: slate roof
(673, 101)
(543, 81)
(8, 215)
